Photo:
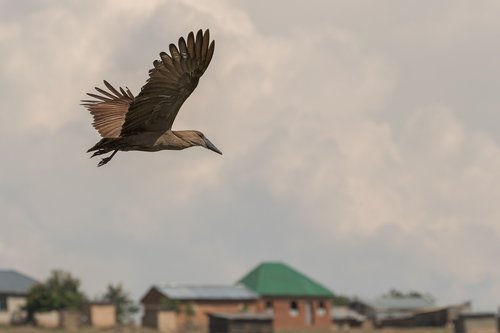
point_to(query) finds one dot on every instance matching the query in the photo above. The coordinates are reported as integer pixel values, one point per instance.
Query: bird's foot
(104, 161)
(107, 159)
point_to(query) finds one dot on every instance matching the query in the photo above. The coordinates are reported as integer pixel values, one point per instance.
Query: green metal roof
(279, 279)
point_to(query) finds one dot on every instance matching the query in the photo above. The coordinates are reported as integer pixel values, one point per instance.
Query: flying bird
(144, 122)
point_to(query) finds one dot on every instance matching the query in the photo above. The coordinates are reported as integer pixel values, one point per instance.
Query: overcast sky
(361, 145)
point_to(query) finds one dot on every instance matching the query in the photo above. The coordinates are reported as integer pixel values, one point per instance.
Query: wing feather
(171, 81)
(109, 109)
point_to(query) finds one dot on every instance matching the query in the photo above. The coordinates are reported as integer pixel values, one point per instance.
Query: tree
(60, 291)
(125, 307)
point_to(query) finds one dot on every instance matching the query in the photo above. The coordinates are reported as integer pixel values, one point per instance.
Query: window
(3, 303)
(321, 311)
(294, 309)
(269, 307)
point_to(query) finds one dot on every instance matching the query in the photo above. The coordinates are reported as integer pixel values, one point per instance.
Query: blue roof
(206, 292)
(12, 282)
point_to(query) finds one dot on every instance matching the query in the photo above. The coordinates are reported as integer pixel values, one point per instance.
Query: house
(390, 310)
(244, 322)
(294, 299)
(100, 314)
(476, 322)
(408, 311)
(174, 307)
(14, 287)
(344, 317)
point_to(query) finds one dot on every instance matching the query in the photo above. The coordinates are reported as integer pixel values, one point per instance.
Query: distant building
(14, 288)
(295, 300)
(476, 322)
(408, 311)
(174, 307)
(344, 317)
(244, 322)
(100, 314)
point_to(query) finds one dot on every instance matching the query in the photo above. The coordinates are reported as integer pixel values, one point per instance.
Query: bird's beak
(211, 146)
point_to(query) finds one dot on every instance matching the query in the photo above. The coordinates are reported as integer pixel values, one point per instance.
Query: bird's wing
(109, 109)
(170, 83)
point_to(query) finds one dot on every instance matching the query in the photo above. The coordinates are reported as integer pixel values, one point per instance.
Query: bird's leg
(99, 152)
(107, 159)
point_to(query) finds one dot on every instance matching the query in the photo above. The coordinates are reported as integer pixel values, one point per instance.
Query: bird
(144, 122)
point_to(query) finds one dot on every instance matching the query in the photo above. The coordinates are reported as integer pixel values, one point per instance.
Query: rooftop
(243, 316)
(279, 279)
(345, 313)
(207, 292)
(402, 303)
(12, 282)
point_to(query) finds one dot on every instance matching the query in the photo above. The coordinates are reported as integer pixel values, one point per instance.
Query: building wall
(50, 319)
(14, 312)
(224, 325)
(150, 318)
(102, 315)
(203, 308)
(285, 317)
(483, 324)
(166, 321)
(153, 307)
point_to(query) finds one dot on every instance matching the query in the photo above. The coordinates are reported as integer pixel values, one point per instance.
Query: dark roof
(279, 279)
(477, 315)
(12, 282)
(207, 292)
(243, 316)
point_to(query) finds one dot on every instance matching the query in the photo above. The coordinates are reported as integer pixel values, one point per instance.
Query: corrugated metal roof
(12, 282)
(205, 292)
(279, 279)
(402, 303)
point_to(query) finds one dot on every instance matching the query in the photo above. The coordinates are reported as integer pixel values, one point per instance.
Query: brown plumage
(144, 122)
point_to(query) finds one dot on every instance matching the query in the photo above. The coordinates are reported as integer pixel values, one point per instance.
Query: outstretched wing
(170, 83)
(109, 109)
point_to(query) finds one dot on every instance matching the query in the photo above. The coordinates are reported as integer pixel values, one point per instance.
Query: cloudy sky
(361, 145)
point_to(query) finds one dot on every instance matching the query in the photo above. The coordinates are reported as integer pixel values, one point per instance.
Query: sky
(361, 145)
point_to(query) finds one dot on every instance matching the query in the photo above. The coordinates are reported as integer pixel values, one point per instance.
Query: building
(14, 288)
(476, 322)
(344, 317)
(174, 307)
(100, 314)
(295, 300)
(408, 311)
(243, 322)
(390, 310)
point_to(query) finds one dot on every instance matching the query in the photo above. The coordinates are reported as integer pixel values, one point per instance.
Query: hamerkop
(144, 122)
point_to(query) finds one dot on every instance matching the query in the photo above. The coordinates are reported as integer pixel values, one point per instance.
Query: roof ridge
(280, 279)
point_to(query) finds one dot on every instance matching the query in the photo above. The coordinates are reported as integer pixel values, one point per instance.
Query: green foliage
(189, 309)
(125, 307)
(59, 291)
(170, 305)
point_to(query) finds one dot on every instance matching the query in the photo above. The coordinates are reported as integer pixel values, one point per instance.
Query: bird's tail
(106, 145)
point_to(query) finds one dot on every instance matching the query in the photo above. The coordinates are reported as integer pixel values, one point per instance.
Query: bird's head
(196, 138)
